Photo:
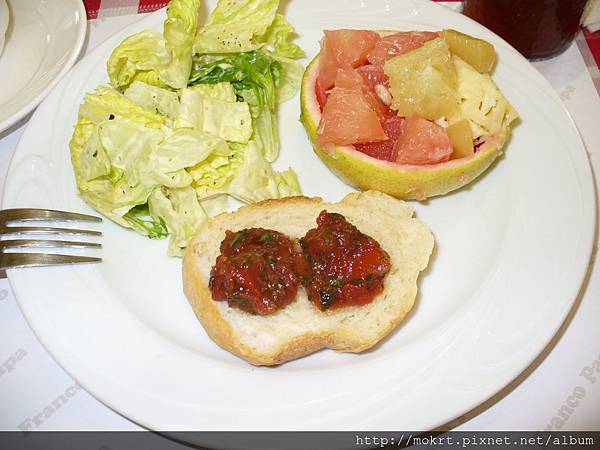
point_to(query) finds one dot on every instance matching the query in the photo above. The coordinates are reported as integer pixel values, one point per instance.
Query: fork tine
(45, 243)
(13, 260)
(47, 230)
(45, 214)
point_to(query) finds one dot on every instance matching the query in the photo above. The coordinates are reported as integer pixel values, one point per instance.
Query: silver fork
(9, 219)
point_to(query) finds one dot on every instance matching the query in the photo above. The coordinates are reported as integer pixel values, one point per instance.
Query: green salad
(188, 119)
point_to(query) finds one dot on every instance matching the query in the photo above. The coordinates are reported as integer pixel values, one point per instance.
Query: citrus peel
(404, 181)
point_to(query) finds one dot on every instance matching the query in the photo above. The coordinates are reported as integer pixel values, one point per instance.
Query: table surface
(561, 390)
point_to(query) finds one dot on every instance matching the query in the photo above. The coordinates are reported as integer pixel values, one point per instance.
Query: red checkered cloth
(589, 46)
(104, 8)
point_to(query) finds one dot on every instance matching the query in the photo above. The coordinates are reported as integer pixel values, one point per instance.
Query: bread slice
(301, 328)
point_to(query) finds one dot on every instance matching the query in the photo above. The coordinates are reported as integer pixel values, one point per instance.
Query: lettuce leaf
(122, 154)
(214, 204)
(90, 158)
(288, 77)
(213, 174)
(129, 147)
(111, 180)
(205, 111)
(140, 220)
(107, 103)
(279, 37)
(185, 148)
(189, 120)
(255, 179)
(115, 200)
(179, 32)
(219, 91)
(266, 133)
(236, 26)
(181, 213)
(149, 77)
(141, 52)
(162, 101)
(156, 58)
(254, 75)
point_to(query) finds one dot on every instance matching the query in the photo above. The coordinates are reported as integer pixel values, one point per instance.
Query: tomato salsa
(259, 270)
(343, 266)
(256, 270)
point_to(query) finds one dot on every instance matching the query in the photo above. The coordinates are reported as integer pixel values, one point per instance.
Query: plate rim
(572, 303)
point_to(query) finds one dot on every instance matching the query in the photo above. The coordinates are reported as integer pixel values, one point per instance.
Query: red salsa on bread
(301, 327)
(256, 270)
(259, 270)
(343, 266)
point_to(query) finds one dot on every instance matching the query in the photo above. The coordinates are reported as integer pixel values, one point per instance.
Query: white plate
(43, 41)
(4, 20)
(512, 250)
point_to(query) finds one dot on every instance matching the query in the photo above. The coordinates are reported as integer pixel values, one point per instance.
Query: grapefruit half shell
(403, 181)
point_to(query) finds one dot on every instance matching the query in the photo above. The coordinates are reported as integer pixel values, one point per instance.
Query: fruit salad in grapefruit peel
(413, 114)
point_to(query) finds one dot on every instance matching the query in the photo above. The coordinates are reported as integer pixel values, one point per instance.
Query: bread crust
(301, 328)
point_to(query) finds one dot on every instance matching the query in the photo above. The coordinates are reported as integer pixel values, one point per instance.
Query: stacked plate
(39, 42)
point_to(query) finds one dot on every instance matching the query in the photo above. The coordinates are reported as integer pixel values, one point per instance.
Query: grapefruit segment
(328, 66)
(344, 48)
(349, 78)
(373, 75)
(351, 47)
(384, 150)
(377, 105)
(348, 118)
(422, 142)
(398, 44)
(321, 93)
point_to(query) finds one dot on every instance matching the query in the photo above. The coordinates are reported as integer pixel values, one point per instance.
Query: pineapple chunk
(462, 139)
(423, 81)
(478, 53)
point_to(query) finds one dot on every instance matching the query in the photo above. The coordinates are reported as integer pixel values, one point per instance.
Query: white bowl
(43, 42)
